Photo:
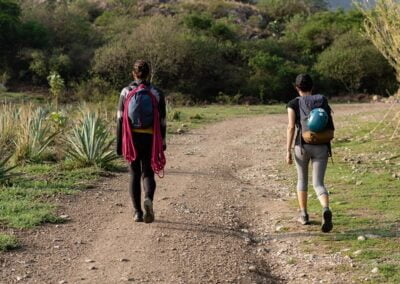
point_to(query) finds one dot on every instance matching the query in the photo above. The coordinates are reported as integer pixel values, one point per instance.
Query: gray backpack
(306, 105)
(140, 109)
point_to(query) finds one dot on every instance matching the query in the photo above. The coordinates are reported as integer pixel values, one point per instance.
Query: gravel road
(222, 216)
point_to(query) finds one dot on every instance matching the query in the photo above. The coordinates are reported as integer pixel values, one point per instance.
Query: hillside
(253, 49)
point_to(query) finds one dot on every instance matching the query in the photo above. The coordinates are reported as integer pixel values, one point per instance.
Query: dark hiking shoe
(304, 219)
(138, 217)
(148, 211)
(327, 221)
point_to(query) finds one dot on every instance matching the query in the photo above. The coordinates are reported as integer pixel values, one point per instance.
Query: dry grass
(8, 118)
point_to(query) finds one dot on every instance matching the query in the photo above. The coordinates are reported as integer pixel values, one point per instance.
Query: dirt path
(221, 217)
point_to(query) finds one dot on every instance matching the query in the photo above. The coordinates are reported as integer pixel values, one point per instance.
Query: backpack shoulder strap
(137, 89)
(304, 108)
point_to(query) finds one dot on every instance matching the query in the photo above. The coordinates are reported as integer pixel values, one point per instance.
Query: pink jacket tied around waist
(158, 160)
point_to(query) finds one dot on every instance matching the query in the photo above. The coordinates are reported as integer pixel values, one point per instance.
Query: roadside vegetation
(42, 159)
(56, 153)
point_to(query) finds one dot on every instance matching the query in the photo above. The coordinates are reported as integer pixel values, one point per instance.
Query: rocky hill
(247, 16)
(243, 13)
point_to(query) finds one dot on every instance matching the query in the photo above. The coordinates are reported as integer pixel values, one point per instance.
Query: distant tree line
(203, 51)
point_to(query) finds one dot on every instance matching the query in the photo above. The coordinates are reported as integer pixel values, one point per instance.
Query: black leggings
(141, 168)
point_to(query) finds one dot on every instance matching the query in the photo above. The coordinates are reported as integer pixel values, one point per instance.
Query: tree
(158, 40)
(355, 62)
(210, 66)
(316, 32)
(68, 48)
(9, 24)
(272, 71)
(382, 26)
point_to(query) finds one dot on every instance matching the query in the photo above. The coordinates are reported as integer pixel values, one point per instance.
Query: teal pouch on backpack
(315, 114)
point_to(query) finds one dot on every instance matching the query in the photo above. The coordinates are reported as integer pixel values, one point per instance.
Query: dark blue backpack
(306, 105)
(140, 109)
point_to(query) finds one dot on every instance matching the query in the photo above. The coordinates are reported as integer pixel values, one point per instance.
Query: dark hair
(304, 82)
(141, 69)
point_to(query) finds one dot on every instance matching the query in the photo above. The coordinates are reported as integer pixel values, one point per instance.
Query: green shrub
(3, 81)
(67, 48)
(7, 242)
(318, 31)
(357, 64)
(90, 143)
(38, 65)
(172, 114)
(198, 21)
(59, 119)
(93, 90)
(224, 31)
(212, 66)
(9, 24)
(34, 35)
(223, 98)
(197, 116)
(272, 76)
(178, 99)
(175, 115)
(57, 86)
(157, 39)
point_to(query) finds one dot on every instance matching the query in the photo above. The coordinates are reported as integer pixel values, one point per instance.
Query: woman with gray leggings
(303, 154)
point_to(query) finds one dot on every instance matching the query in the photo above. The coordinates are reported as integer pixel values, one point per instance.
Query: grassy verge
(364, 182)
(7, 242)
(185, 118)
(27, 203)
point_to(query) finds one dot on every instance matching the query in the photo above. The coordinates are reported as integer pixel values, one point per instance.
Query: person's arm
(330, 124)
(120, 112)
(290, 134)
(163, 119)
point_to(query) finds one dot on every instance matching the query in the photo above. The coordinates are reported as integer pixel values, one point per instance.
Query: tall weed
(8, 124)
(35, 134)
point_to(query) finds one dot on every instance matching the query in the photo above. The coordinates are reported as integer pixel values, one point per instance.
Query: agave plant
(36, 134)
(5, 171)
(90, 143)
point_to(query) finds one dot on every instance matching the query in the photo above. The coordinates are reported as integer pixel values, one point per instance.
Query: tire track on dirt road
(202, 212)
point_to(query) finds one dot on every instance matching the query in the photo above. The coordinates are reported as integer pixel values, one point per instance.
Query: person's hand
(289, 158)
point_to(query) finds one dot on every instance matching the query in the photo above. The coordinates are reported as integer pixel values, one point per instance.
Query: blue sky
(346, 4)
(340, 3)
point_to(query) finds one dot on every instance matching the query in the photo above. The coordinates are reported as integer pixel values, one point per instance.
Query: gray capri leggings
(318, 154)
